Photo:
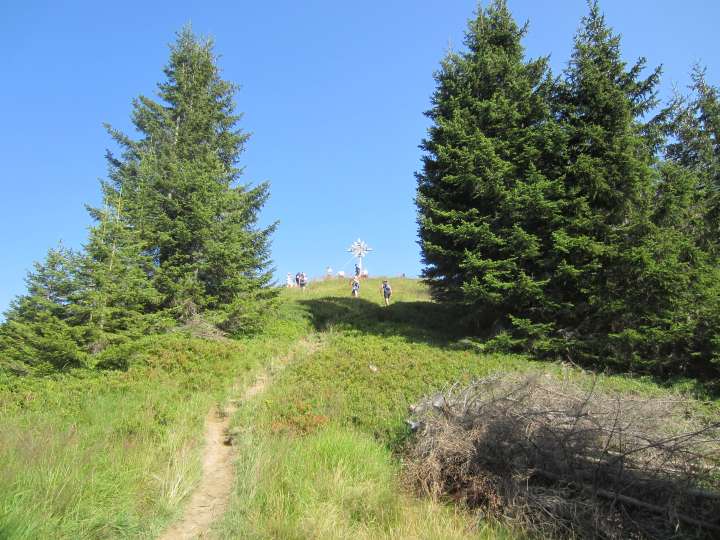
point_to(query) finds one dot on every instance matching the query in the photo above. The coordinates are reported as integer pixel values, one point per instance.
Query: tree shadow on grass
(419, 321)
(440, 325)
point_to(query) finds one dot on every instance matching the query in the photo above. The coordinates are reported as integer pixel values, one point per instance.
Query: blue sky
(333, 94)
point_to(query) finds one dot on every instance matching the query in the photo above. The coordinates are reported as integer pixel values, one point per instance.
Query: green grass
(320, 452)
(112, 454)
(334, 483)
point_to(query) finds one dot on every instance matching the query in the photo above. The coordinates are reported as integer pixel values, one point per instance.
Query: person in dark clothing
(387, 291)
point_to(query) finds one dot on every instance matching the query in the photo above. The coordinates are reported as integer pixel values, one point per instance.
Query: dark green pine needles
(547, 212)
(482, 109)
(179, 192)
(490, 194)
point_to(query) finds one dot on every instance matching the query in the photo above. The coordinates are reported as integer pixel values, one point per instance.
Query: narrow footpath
(210, 498)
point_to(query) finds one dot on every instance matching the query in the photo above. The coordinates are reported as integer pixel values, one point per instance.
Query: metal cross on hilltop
(359, 249)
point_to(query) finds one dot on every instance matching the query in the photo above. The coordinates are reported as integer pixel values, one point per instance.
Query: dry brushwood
(199, 327)
(564, 461)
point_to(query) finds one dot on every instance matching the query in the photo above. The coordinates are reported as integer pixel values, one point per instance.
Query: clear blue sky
(333, 93)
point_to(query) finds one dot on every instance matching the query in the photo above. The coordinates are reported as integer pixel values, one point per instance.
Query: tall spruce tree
(41, 331)
(622, 278)
(117, 300)
(689, 201)
(177, 233)
(179, 185)
(609, 169)
(696, 148)
(488, 192)
(539, 201)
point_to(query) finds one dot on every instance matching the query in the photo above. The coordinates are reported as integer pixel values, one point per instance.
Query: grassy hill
(114, 453)
(320, 454)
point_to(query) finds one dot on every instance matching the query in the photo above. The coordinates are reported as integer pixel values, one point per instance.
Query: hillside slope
(320, 452)
(318, 446)
(114, 453)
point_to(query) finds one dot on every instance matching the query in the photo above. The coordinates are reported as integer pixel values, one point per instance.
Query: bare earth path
(210, 498)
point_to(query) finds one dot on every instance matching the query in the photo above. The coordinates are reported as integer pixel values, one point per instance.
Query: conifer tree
(541, 202)
(41, 330)
(621, 279)
(488, 192)
(689, 202)
(118, 299)
(180, 188)
(177, 232)
(696, 148)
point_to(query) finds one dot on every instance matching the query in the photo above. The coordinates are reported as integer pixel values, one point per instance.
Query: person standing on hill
(387, 291)
(303, 281)
(355, 287)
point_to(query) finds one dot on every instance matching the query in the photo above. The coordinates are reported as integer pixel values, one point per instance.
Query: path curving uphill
(210, 498)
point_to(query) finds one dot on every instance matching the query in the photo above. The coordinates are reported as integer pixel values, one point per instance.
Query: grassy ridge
(320, 451)
(317, 450)
(113, 453)
(103, 454)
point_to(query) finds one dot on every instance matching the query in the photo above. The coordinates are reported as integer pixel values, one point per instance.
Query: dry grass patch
(566, 461)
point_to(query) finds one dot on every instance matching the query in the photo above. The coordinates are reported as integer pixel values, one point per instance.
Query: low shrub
(563, 460)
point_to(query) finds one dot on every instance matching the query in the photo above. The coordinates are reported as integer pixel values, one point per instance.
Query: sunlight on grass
(336, 483)
(320, 452)
(112, 454)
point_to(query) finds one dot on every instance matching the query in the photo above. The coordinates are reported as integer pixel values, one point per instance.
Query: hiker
(387, 291)
(302, 281)
(297, 279)
(357, 270)
(355, 287)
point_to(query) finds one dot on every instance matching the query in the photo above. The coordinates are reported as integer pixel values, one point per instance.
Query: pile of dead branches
(199, 327)
(561, 460)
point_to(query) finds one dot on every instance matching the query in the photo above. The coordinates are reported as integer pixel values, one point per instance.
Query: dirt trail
(211, 496)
